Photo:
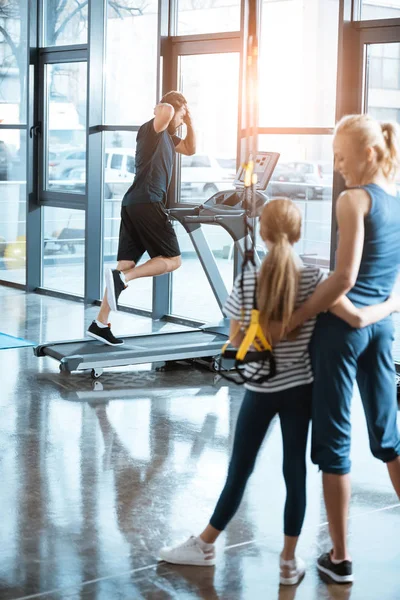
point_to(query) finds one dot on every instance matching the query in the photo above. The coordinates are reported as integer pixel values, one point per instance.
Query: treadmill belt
(143, 346)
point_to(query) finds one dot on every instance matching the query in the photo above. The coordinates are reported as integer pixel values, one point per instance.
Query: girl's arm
(351, 208)
(236, 335)
(362, 317)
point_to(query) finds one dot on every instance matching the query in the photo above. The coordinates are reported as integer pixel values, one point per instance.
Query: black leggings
(256, 413)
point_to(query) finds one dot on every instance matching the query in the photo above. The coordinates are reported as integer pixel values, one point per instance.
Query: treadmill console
(229, 200)
(264, 165)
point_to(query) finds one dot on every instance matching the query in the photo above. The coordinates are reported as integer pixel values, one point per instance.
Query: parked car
(286, 182)
(318, 177)
(119, 171)
(202, 176)
(229, 164)
(61, 163)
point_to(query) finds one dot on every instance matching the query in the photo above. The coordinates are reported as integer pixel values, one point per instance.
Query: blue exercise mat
(9, 341)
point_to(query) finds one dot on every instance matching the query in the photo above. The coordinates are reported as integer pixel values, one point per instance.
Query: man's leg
(100, 329)
(150, 230)
(124, 266)
(118, 279)
(153, 267)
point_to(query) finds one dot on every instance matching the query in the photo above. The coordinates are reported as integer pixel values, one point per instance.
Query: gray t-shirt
(154, 161)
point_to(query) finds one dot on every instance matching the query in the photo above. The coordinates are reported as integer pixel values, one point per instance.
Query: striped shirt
(293, 363)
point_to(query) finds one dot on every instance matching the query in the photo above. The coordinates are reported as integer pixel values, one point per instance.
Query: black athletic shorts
(146, 228)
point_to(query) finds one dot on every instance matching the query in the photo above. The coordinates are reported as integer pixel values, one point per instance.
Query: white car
(62, 163)
(202, 176)
(119, 171)
(318, 177)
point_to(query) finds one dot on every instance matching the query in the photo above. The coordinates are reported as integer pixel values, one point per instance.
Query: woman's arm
(362, 317)
(236, 334)
(351, 208)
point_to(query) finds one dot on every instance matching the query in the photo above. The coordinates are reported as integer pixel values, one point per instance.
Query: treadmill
(224, 209)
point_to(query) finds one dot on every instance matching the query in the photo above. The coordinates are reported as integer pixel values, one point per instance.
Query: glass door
(63, 168)
(210, 83)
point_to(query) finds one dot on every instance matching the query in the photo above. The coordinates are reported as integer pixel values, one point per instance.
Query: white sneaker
(192, 552)
(291, 571)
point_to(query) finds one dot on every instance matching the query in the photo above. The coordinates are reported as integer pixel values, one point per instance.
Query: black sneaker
(339, 573)
(103, 334)
(115, 286)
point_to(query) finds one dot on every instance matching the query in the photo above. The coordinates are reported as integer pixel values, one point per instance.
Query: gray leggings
(256, 413)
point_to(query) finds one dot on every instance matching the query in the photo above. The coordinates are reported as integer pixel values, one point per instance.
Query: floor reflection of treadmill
(224, 209)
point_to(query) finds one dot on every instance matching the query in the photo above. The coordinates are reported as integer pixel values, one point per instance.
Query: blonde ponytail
(391, 159)
(278, 278)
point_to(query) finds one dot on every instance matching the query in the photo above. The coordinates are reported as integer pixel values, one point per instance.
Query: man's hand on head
(162, 106)
(187, 119)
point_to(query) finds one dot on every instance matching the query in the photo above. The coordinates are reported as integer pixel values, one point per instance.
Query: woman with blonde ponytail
(282, 284)
(367, 155)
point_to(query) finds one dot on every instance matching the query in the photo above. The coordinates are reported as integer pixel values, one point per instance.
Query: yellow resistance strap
(254, 337)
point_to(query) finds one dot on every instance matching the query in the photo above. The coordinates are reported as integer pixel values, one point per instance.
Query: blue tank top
(380, 262)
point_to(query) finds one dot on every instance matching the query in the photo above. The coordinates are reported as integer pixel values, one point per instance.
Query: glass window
(391, 73)
(201, 161)
(116, 161)
(215, 117)
(116, 183)
(385, 114)
(130, 164)
(186, 161)
(307, 180)
(375, 72)
(13, 61)
(215, 121)
(207, 16)
(65, 22)
(378, 9)
(190, 277)
(66, 127)
(64, 250)
(384, 94)
(298, 61)
(12, 205)
(131, 82)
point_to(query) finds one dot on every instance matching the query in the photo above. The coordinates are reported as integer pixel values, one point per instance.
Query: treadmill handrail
(209, 218)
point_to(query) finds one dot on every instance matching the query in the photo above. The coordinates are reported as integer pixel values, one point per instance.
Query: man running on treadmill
(145, 225)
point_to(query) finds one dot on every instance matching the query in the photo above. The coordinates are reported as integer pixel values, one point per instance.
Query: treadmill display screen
(264, 165)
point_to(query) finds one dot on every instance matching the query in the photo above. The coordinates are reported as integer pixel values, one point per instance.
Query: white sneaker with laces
(192, 552)
(291, 571)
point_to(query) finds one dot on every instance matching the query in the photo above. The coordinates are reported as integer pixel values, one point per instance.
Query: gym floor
(96, 476)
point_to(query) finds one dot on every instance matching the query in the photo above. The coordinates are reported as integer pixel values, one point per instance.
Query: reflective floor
(96, 476)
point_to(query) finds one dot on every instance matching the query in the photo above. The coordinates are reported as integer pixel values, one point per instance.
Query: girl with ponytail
(282, 284)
